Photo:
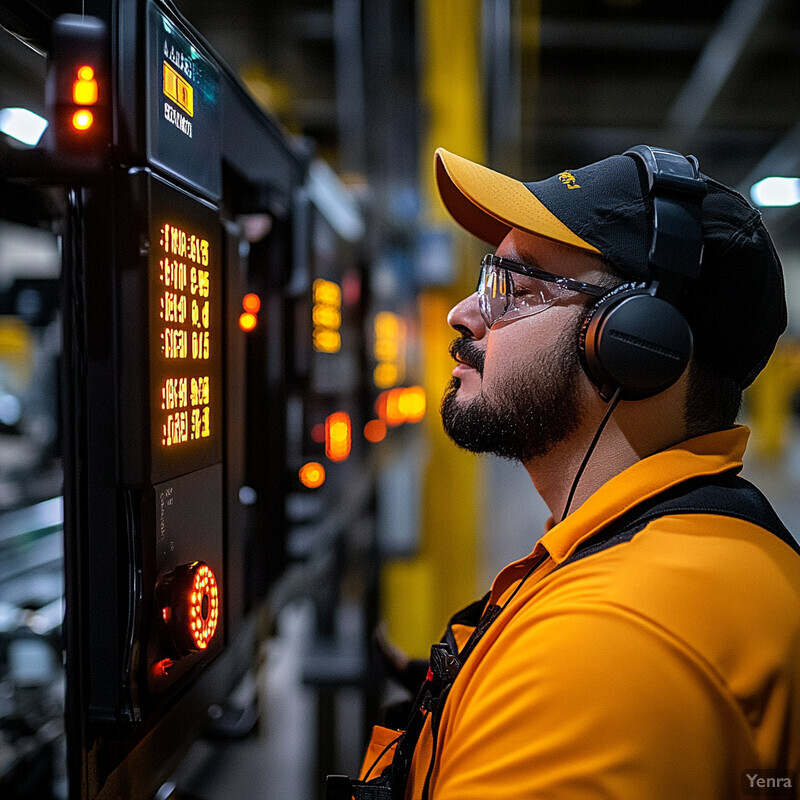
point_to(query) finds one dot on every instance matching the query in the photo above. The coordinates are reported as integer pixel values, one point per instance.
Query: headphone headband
(677, 192)
(634, 339)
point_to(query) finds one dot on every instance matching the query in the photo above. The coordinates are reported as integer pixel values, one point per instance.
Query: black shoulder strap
(726, 495)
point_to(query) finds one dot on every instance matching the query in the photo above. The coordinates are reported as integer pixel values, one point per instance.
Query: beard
(537, 407)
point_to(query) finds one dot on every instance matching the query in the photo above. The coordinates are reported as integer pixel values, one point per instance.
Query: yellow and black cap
(736, 308)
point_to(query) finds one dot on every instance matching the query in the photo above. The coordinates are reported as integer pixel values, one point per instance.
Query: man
(649, 647)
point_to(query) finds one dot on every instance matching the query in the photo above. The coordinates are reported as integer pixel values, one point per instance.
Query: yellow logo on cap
(569, 180)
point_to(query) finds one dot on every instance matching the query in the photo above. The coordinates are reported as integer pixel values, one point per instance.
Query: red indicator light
(247, 321)
(252, 303)
(338, 436)
(312, 475)
(82, 119)
(318, 433)
(162, 668)
(351, 288)
(375, 430)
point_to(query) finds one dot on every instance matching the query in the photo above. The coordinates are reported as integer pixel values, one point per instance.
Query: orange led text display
(186, 335)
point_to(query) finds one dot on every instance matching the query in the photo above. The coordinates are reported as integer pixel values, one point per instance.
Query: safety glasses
(509, 290)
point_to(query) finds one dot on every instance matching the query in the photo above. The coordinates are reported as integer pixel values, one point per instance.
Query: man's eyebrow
(526, 257)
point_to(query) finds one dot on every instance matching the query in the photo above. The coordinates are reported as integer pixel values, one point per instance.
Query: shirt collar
(711, 454)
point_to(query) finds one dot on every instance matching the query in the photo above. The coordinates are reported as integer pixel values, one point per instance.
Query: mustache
(465, 351)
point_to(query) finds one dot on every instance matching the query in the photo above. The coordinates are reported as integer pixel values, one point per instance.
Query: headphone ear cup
(635, 342)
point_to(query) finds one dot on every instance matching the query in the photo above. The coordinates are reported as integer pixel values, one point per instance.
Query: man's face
(519, 388)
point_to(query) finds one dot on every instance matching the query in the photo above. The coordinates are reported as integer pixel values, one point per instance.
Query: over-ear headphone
(634, 339)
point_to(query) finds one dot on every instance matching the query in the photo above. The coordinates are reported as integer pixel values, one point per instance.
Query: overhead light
(22, 125)
(775, 191)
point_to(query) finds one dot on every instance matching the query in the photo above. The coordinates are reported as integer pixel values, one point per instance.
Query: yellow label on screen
(178, 90)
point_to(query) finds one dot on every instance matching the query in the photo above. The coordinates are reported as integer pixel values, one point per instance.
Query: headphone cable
(615, 398)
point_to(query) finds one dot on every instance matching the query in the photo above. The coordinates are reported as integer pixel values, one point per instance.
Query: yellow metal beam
(769, 401)
(421, 594)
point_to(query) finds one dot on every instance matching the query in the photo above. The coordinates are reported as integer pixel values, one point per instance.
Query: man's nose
(466, 317)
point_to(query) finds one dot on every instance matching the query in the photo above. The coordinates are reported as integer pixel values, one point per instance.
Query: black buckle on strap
(340, 787)
(444, 665)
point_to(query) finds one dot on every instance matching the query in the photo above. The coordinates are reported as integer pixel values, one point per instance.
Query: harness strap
(727, 495)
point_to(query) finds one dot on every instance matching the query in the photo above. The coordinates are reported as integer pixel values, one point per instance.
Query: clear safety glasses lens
(504, 295)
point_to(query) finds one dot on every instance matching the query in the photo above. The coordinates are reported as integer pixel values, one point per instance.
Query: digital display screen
(183, 106)
(186, 341)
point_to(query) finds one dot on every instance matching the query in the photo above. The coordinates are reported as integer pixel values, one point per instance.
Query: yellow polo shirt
(664, 668)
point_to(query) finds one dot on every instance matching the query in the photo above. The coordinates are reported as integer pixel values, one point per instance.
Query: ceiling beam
(712, 70)
(615, 35)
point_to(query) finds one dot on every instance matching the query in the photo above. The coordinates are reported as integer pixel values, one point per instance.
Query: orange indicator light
(82, 119)
(338, 436)
(388, 407)
(389, 349)
(412, 403)
(84, 90)
(247, 321)
(252, 303)
(312, 475)
(375, 430)
(326, 315)
(400, 405)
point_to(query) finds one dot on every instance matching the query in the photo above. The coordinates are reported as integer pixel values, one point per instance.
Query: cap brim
(488, 204)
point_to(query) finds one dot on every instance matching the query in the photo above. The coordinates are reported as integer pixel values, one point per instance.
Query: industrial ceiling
(565, 82)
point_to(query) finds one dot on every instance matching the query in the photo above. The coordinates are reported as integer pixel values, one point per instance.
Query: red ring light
(203, 600)
(190, 606)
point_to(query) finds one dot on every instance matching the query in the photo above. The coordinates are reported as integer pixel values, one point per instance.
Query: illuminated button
(190, 606)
